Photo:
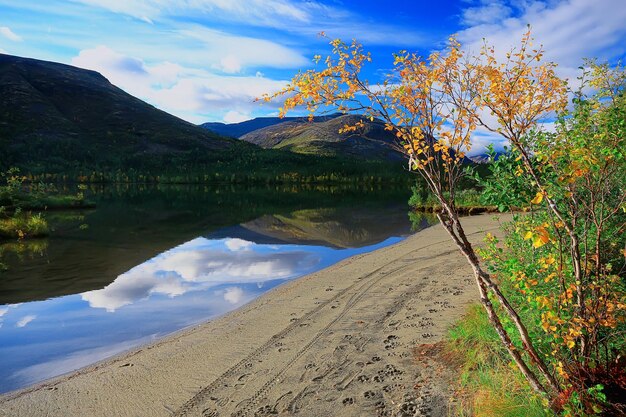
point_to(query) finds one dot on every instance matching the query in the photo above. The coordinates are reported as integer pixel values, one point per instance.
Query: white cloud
(236, 117)
(236, 244)
(302, 17)
(185, 92)
(3, 311)
(21, 323)
(25, 320)
(133, 286)
(230, 64)
(231, 54)
(233, 295)
(199, 265)
(9, 34)
(481, 138)
(260, 12)
(488, 11)
(568, 30)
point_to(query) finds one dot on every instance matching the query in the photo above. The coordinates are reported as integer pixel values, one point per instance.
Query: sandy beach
(339, 342)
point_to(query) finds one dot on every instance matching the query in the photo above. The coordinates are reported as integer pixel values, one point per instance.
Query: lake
(151, 260)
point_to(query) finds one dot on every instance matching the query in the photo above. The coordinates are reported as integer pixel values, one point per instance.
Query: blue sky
(206, 60)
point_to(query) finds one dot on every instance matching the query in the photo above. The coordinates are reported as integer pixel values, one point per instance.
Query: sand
(339, 342)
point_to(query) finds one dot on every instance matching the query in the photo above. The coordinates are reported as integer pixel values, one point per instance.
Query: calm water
(150, 261)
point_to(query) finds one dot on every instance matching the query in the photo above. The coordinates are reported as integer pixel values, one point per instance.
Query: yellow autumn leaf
(539, 241)
(538, 198)
(541, 237)
(550, 277)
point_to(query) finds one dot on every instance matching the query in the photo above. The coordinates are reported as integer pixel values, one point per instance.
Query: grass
(492, 385)
(23, 225)
(468, 202)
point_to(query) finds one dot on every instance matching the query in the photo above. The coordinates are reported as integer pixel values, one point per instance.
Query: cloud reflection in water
(201, 264)
(186, 285)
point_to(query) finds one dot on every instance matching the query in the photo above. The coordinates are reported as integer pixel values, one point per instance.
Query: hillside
(236, 130)
(52, 115)
(322, 137)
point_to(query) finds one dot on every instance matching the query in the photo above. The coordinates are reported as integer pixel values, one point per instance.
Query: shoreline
(315, 338)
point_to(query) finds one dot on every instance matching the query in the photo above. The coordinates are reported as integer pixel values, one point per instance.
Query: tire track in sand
(361, 284)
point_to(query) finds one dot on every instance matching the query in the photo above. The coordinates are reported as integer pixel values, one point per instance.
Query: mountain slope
(52, 113)
(322, 137)
(236, 130)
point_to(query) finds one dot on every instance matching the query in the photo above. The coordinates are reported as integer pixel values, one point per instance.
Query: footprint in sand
(390, 370)
(369, 394)
(391, 388)
(265, 411)
(391, 342)
(408, 408)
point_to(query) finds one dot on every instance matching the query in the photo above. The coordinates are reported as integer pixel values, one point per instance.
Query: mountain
(484, 158)
(236, 130)
(321, 137)
(54, 114)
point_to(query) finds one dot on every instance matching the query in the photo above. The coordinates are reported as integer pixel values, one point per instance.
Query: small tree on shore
(434, 105)
(564, 264)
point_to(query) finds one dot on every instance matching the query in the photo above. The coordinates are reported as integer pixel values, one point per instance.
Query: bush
(23, 225)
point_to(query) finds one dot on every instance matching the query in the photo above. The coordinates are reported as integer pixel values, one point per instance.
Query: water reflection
(153, 263)
(193, 282)
(130, 226)
(202, 264)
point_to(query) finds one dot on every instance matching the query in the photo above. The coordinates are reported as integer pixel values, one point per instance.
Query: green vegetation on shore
(22, 205)
(244, 164)
(562, 268)
(468, 201)
(23, 225)
(490, 386)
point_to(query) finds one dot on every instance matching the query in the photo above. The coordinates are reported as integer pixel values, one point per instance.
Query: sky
(206, 60)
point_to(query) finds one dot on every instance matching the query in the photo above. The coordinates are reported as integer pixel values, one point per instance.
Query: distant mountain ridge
(319, 136)
(236, 130)
(52, 113)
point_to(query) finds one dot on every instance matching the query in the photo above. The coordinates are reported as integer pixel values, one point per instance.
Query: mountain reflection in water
(85, 295)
